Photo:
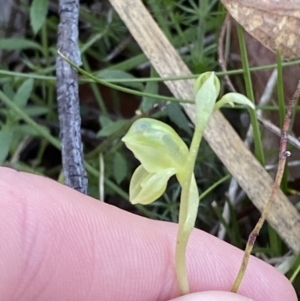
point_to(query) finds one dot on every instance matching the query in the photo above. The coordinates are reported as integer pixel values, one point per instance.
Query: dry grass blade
(274, 23)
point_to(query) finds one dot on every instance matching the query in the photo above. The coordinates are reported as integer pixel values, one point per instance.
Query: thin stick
(283, 154)
(275, 130)
(221, 54)
(67, 96)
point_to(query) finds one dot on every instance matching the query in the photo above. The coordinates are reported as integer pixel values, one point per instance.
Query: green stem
(296, 272)
(95, 88)
(39, 74)
(212, 187)
(259, 154)
(189, 202)
(109, 84)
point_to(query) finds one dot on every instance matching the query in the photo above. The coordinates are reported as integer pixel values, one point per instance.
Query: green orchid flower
(163, 154)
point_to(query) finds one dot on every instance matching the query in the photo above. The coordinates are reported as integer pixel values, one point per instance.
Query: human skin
(57, 244)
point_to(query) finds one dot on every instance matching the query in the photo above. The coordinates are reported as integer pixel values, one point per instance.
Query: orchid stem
(189, 203)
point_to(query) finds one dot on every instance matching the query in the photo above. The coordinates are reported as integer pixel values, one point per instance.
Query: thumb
(212, 296)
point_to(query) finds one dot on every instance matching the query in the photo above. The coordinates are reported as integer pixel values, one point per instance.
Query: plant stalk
(189, 202)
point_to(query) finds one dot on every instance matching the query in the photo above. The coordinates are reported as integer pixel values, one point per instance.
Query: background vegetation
(29, 130)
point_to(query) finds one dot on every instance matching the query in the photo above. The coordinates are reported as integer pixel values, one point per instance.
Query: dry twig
(283, 154)
(67, 96)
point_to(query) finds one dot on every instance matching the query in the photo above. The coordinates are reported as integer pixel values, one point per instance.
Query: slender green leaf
(29, 130)
(104, 121)
(35, 111)
(22, 96)
(120, 167)
(259, 153)
(18, 44)
(8, 90)
(147, 102)
(112, 128)
(38, 14)
(6, 135)
(176, 115)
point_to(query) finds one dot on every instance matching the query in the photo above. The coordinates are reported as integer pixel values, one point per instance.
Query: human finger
(63, 245)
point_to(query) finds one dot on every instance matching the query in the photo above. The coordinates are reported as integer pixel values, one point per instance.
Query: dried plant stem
(68, 98)
(221, 52)
(283, 154)
(275, 130)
